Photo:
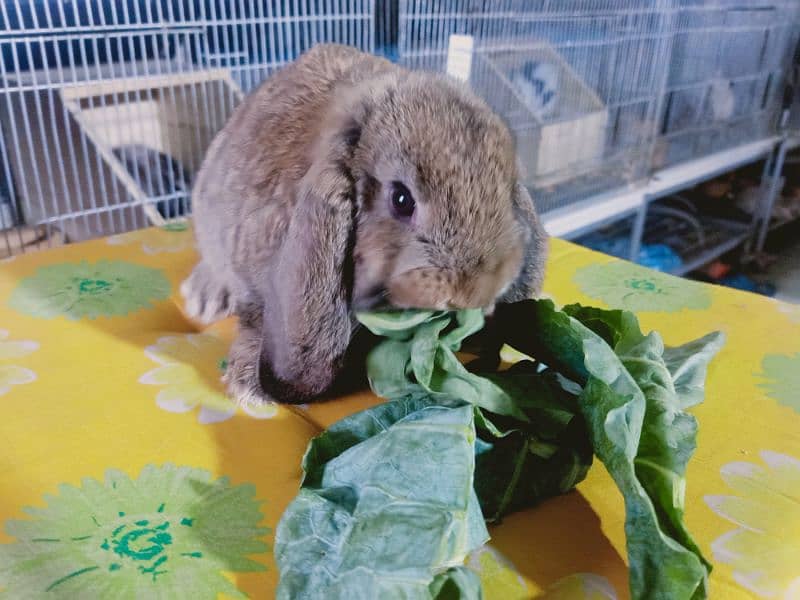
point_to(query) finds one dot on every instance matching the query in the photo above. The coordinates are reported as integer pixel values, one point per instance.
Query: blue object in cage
(740, 281)
(659, 257)
(655, 256)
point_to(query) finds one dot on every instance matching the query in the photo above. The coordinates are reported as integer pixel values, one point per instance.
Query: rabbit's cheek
(368, 282)
(507, 269)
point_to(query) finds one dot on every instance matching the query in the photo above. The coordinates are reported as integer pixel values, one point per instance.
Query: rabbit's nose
(476, 292)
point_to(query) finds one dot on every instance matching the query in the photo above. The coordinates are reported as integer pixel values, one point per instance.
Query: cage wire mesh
(577, 81)
(107, 106)
(726, 78)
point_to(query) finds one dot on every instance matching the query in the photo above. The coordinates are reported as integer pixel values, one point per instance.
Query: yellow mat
(125, 472)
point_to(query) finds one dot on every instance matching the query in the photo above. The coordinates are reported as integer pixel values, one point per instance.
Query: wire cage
(577, 80)
(726, 76)
(107, 106)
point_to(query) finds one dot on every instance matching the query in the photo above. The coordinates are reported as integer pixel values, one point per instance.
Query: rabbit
(721, 99)
(343, 183)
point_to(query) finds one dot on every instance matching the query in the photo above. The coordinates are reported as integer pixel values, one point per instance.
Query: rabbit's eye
(402, 201)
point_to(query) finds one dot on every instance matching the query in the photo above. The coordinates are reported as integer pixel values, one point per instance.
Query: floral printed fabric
(189, 375)
(624, 285)
(175, 236)
(781, 379)
(792, 311)
(105, 385)
(500, 580)
(168, 533)
(764, 549)
(89, 290)
(12, 374)
(581, 586)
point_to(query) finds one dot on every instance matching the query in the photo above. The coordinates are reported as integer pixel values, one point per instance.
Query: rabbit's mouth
(377, 298)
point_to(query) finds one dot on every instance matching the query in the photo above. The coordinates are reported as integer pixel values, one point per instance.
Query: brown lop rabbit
(342, 183)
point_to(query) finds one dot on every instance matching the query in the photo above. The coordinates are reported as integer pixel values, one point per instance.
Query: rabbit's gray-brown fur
(293, 218)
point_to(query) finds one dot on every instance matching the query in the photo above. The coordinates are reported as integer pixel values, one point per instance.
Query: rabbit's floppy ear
(307, 322)
(531, 275)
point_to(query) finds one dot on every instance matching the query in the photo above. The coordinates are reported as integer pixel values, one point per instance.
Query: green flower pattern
(781, 375)
(175, 226)
(168, 534)
(625, 285)
(106, 288)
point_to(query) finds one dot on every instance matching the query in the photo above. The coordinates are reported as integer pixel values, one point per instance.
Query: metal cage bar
(107, 106)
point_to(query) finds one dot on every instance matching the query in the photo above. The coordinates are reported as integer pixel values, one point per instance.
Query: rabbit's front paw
(243, 387)
(241, 373)
(204, 298)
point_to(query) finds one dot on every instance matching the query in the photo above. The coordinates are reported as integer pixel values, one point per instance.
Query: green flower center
(94, 286)
(151, 536)
(145, 543)
(643, 285)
